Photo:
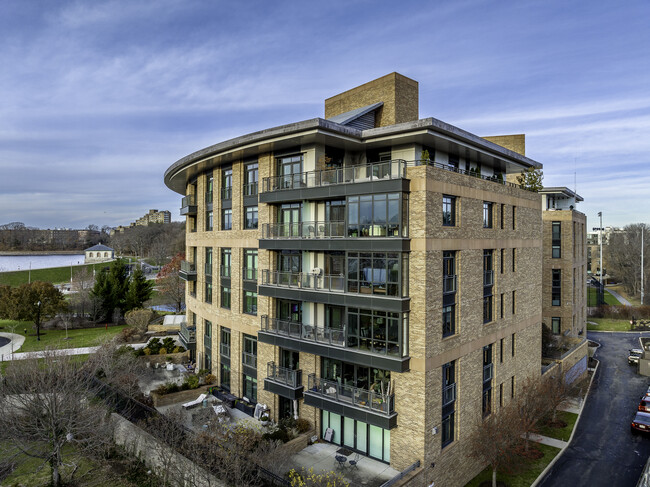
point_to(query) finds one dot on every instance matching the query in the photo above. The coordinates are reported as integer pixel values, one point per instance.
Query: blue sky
(98, 98)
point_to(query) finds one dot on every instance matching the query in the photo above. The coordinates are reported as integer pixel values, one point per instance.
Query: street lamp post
(642, 265)
(600, 238)
(38, 321)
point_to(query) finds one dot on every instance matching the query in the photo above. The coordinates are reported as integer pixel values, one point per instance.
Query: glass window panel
(386, 446)
(376, 442)
(335, 424)
(348, 432)
(362, 436)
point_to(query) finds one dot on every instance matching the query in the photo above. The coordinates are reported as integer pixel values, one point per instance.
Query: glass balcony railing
(249, 359)
(188, 205)
(288, 377)
(249, 274)
(303, 280)
(449, 284)
(188, 333)
(351, 174)
(313, 333)
(188, 267)
(376, 402)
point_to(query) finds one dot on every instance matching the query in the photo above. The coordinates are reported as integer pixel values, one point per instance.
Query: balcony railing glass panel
(303, 280)
(301, 331)
(374, 401)
(288, 377)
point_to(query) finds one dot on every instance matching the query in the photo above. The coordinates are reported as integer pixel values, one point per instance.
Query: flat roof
(563, 191)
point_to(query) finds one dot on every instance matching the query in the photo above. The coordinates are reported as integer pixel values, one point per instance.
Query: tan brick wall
(516, 143)
(399, 94)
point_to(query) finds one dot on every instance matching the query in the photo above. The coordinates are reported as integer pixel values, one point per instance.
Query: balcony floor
(320, 457)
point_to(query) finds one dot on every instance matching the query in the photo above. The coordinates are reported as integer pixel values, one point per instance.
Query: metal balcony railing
(225, 271)
(249, 274)
(208, 268)
(288, 377)
(449, 284)
(312, 333)
(303, 280)
(351, 174)
(250, 189)
(488, 278)
(249, 359)
(188, 267)
(376, 402)
(188, 333)
(226, 193)
(309, 229)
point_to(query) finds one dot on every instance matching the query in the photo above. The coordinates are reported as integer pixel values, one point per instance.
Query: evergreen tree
(111, 286)
(139, 291)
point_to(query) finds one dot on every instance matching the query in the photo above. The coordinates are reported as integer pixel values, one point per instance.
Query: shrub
(303, 425)
(162, 351)
(139, 352)
(210, 379)
(192, 382)
(203, 372)
(172, 387)
(168, 343)
(277, 435)
(154, 345)
(146, 351)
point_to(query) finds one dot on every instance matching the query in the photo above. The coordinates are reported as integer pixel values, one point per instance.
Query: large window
(250, 217)
(225, 376)
(224, 342)
(250, 265)
(448, 402)
(249, 388)
(251, 175)
(249, 352)
(225, 297)
(378, 273)
(226, 219)
(556, 325)
(376, 215)
(556, 240)
(289, 171)
(487, 214)
(208, 292)
(207, 328)
(226, 262)
(448, 210)
(226, 184)
(449, 287)
(488, 284)
(556, 287)
(209, 221)
(374, 331)
(209, 188)
(250, 302)
(353, 375)
(208, 261)
(488, 373)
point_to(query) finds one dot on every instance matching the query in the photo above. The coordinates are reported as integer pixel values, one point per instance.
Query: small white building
(99, 253)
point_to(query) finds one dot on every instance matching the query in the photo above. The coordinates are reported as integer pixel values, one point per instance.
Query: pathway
(620, 298)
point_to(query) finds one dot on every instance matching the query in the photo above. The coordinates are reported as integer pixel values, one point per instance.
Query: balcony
(328, 336)
(303, 280)
(449, 284)
(311, 229)
(361, 404)
(187, 335)
(344, 175)
(249, 274)
(188, 205)
(283, 381)
(188, 271)
(325, 341)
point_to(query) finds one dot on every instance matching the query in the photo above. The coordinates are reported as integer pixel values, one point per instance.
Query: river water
(22, 262)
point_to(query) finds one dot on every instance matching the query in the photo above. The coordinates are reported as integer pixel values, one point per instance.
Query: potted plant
(265, 420)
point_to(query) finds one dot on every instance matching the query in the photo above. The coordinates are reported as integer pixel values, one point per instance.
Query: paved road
(604, 452)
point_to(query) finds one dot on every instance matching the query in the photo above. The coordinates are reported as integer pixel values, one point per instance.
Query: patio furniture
(355, 463)
(195, 402)
(341, 460)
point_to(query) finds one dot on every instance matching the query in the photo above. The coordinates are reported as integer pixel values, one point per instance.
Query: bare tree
(82, 283)
(623, 255)
(494, 438)
(44, 405)
(169, 282)
(531, 405)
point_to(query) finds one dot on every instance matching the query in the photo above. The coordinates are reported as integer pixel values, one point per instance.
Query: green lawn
(83, 337)
(54, 275)
(609, 299)
(635, 300)
(560, 433)
(530, 472)
(608, 324)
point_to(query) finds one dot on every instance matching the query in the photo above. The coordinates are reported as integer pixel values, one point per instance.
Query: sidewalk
(620, 298)
(38, 354)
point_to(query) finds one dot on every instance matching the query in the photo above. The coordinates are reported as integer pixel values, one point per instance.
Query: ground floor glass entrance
(357, 435)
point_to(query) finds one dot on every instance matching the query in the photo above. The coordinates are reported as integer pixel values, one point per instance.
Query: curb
(575, 427)
(626, 331)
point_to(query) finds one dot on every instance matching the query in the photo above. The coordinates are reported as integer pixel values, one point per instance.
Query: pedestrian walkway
(546, 440)
(16, 342)
(40, 354)
(620, 298)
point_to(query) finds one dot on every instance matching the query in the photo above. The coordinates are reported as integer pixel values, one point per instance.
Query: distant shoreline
(41, 252)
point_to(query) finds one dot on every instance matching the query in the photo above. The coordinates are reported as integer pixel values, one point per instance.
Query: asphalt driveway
(604, 452)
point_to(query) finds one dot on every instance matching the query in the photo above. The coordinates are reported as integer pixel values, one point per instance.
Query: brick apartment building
(373, 272)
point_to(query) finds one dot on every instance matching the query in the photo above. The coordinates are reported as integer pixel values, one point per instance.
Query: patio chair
(340, 460)
(355, 463)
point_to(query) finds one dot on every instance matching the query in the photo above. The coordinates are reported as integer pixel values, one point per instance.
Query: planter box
(176, 358)
(245, 408)
(178, 397)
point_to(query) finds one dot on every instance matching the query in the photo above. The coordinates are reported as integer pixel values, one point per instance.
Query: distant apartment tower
(154, 216)
(564, 298)
(371, 272)
(593, 249)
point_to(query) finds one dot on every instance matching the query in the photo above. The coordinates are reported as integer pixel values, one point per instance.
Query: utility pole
(642, 227)
(600, 237)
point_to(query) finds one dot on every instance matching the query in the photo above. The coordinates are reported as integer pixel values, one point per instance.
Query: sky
(99, 98)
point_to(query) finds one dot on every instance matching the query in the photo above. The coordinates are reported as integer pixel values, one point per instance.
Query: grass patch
(592, 297)
(634, 300)
(82, 337)
(55, 275)
(560, 433)
(531, 469)
(608, 324)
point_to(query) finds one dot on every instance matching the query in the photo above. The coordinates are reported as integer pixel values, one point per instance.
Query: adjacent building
(99, 253)
(375, 273)
(154, 216)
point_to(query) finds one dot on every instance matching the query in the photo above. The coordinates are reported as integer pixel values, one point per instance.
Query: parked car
(634, 356)
(644, 405)
(641, 422)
